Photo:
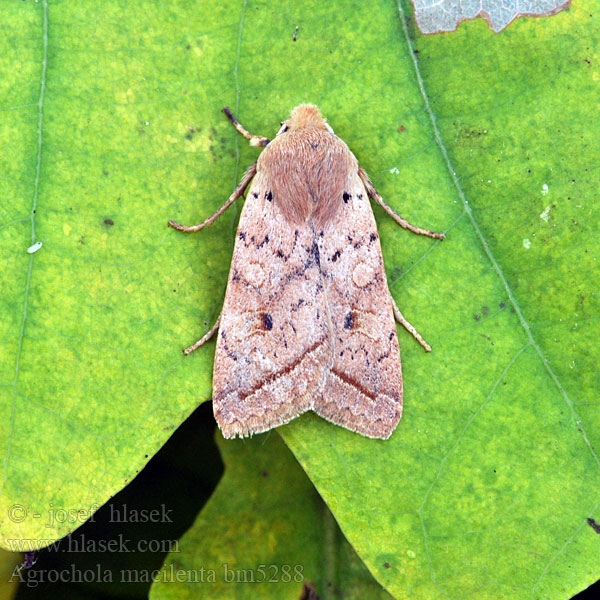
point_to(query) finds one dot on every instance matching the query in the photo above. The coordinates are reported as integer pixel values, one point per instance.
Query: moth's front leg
(237, 193)
(410, 328)
(207, 336)
(255, 140)
(375, 195)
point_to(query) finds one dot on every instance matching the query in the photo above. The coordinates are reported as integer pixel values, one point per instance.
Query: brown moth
(308, 319)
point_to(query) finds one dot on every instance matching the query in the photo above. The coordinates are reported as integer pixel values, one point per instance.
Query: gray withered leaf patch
(436, 17)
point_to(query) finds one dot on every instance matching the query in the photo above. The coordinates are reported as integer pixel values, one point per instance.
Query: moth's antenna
(255, 140)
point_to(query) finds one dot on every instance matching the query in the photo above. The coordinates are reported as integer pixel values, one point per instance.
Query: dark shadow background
(177, 482)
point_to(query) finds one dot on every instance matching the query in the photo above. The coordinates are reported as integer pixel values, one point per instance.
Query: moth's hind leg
(374, 194)
(255, 140)
(237, 193)
(204, 338)
(400, 318)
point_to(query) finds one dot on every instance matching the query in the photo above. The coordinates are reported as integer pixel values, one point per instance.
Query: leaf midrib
(482, 239)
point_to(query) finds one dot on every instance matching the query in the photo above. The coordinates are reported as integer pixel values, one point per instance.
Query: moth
(308, 319)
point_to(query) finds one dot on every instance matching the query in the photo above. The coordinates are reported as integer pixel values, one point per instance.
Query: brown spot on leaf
(594, 525)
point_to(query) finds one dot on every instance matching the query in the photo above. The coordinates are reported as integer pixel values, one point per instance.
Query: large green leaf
(268, 533)
(110, 126)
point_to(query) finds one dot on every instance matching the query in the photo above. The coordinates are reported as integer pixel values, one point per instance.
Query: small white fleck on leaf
(34, 248)
(526, 243)
(545, 214)
(544, 189)
(395, 171)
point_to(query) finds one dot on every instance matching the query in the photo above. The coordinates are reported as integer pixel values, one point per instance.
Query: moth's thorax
(308, 170)
(306, 115)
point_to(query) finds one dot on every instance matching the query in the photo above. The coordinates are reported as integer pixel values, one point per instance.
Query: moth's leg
(255, 140)
(204, 338)
(400, 318)
(374, 194)
(238, 192)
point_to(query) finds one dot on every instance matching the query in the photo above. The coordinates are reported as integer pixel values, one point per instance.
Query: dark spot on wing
(349, 321)
(269, 195)
(346, 197)
(265, 241)
(384, 355)
(315, 252)
(242, 235)
(267, 321)
(335, 256)
(373, 237)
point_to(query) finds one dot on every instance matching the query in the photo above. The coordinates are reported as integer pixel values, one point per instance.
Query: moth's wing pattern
(273, 341)
(363, 388)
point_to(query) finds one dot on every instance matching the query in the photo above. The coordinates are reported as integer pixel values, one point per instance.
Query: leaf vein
(483, 240)
(40, 105)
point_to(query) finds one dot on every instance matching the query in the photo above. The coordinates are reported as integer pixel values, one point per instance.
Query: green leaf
(485, 488)
(111, 125)
(263, 533)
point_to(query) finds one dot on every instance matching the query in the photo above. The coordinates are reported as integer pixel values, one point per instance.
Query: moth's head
(305, 115)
